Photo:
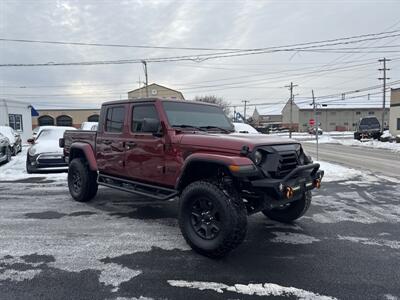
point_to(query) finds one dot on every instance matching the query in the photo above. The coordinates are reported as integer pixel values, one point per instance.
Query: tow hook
(317, 183)
(289, 192)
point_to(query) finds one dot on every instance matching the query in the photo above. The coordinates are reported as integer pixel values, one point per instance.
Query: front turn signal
(317, 183)
(289, 192)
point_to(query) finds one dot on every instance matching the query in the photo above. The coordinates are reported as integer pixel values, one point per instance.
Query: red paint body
(159, 160)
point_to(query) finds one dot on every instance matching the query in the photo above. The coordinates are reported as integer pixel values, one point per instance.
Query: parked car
(368, 128)
(245, 128)
(311, 130)
(5, 149)
(14, 138)
(165, 149)
(44, 154)
(36, 130)
(89, 126)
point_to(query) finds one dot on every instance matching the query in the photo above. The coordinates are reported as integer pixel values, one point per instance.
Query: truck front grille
(287, 162)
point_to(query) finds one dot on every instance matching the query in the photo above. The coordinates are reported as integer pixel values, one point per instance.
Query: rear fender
(80, 149)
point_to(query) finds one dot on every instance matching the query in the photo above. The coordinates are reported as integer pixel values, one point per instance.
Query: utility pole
(384, 78)
(291, 86)
(147, 78)
(234, 114)
(315, 120)
(245, 107)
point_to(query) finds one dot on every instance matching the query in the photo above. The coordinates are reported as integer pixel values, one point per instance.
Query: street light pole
(315, 120)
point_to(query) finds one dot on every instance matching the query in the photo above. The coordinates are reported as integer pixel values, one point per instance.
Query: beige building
(334, 116)
(65, 117)
(394, 123)
(267, 116)
(156, 91)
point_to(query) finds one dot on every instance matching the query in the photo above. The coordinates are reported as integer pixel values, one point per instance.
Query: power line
(201, 57)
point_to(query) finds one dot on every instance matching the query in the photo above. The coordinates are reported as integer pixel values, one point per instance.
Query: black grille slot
(287, 162)
(55, 161)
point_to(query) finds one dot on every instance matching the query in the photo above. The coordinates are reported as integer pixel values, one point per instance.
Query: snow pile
(16, 170)
(334, 172)
(395, 147)
(257, 289)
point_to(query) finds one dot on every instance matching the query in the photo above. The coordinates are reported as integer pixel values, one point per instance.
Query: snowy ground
(124, 247)
(16, 169)
(395, 147)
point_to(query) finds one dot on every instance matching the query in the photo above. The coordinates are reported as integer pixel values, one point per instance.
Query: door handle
(107, 142)
(130, 145)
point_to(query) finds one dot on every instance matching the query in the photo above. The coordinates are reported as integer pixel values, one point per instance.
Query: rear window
(115, 119)
(369, 121)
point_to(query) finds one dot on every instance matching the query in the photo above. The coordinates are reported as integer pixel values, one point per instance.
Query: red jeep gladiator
(164, 149)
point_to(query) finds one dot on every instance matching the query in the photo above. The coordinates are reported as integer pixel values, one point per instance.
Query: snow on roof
(343, 104)
(269, 109)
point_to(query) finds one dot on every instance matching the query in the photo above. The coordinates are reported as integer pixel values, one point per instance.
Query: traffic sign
(311, 122)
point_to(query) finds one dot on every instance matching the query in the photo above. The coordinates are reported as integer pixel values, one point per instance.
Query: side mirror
(151, 125)
(31, 141)
(61, 143)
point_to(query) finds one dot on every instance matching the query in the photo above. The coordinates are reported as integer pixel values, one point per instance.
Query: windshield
(50, 134)
(370, 121)
(196, 115)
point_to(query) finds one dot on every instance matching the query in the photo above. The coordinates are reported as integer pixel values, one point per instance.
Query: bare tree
(215, 100)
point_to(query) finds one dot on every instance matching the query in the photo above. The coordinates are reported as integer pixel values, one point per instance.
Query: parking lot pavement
(123, 247)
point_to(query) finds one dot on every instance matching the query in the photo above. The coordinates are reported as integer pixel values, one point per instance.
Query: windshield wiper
(216, 127)
(188, 126)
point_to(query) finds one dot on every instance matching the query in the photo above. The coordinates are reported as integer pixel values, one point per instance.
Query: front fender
(235, 164)
(87, 151)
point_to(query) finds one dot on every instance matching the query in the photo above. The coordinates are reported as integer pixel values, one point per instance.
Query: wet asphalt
(120, 246)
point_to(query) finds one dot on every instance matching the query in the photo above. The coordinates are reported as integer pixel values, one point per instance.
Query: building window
(140, 113)
(346, 123)
(398, 123)
(332, 124)
(45, 121)
(371, 112)
(93, 118)
(358, 112)
(15, 122)
(64, 120)
(115, 119)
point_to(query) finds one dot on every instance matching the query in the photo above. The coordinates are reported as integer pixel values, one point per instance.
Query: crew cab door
(110, 142)
(144, 158)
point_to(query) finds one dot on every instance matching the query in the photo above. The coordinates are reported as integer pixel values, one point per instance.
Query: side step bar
(156, 192)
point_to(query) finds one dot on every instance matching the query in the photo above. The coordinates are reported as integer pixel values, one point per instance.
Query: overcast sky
(208, 24)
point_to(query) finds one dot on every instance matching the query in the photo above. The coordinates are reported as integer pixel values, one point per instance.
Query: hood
(232, 141)
(46, 146)
(7, 132)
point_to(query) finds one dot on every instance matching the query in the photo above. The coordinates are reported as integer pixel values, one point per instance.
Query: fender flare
(88, 153)
(222, 160)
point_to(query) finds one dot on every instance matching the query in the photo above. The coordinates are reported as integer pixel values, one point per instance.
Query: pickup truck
(368, 128)
(167, 149)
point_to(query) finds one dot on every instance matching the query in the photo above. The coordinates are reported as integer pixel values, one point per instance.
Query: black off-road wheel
(213, 221)
(82, 182)
(291, 211)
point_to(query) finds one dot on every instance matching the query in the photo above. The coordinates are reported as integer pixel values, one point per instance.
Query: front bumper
(277, 192)
(47, 162)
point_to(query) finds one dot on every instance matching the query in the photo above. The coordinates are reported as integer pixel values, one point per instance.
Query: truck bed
(83, 136)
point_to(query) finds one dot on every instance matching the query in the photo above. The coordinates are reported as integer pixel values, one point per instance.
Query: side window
(115, 119)
(141, 112)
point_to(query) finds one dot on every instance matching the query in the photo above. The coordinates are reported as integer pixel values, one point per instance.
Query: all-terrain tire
(228, 212)
(291, 212)
(357, 136)
(82, 182)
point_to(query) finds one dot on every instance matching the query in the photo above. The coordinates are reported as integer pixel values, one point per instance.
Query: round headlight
(258, 156)
(32, 151)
